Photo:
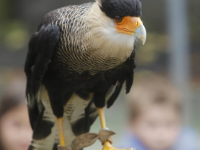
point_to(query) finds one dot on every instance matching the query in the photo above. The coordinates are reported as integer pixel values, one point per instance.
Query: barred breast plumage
(81, 48)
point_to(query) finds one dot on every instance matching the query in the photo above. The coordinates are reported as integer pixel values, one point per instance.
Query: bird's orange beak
(128, 25)
(132, 26)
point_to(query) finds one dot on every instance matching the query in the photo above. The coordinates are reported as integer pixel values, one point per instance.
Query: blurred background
(172, 49)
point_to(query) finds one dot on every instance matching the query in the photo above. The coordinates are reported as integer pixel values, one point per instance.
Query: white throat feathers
(105, 38)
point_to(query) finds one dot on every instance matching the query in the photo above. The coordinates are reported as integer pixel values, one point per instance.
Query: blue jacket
(187, 140)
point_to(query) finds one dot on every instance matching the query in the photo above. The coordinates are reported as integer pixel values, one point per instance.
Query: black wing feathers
(130, 73)
(127, 69)
(42, 46)
(115, 94)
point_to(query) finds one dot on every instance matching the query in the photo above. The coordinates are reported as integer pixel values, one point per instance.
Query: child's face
(157, 127)
(16, 133)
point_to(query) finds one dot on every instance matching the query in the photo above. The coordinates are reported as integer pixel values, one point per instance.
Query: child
(15, 130)
(155, 118)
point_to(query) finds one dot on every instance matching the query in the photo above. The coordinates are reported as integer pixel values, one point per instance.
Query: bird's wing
(41, 48)
(115, 94)
(128, 66)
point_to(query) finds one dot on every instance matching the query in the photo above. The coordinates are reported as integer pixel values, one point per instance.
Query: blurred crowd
(15, 130)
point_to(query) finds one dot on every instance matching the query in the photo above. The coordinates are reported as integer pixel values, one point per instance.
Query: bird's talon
(105, 136)
(108, 146)
(60, 147)
(110, 140)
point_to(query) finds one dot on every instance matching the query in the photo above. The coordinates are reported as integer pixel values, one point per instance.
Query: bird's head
(123, 18)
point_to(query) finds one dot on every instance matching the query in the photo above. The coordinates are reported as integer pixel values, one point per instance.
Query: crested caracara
(77, 63)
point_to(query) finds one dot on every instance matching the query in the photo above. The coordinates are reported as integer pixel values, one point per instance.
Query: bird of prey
(77, 63)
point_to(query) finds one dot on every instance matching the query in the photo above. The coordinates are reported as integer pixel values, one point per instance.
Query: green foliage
(14, 35)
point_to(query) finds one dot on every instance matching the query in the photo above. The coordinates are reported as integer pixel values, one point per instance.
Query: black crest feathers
(121, 8)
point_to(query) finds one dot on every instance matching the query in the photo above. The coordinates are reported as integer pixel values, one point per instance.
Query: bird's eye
(118, 19)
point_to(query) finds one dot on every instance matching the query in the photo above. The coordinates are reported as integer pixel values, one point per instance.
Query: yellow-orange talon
(108, 146)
